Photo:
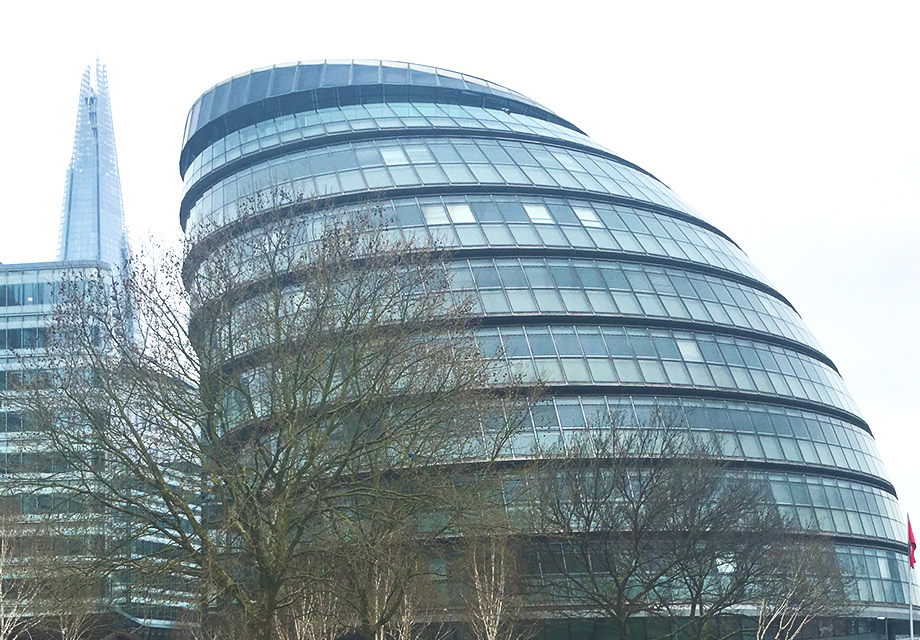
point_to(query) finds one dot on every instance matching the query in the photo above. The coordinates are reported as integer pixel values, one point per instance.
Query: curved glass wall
(606, 288)
(393, 163)
(878, 574)
(534, 223)
(303, 77)
(751, 431)
(586, 273)
(580, 355)
(314, 125)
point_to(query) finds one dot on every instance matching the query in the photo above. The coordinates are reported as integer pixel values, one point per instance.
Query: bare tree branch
(233, 418)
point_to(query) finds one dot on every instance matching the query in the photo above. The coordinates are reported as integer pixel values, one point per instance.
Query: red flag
(911, 543)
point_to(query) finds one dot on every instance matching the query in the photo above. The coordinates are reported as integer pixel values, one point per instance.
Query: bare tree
(725, 524)
(651, 521)
(236, 404)
(19, 588)
(600, 505)
(380, 563)
(805, 583)
(66, 536)
(493, 586)
(316, 614)
(71, 599)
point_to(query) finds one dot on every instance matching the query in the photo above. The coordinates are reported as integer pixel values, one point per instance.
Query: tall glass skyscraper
(93, 221)
(589, 273)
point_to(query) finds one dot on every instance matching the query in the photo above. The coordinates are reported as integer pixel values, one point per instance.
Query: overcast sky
(792, 126)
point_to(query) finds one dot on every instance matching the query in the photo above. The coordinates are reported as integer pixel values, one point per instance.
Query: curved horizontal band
(323, 97)
(206, 181)
(562, 390)
(597, 320)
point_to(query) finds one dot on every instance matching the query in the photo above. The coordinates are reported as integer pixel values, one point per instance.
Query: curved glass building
(589, 272)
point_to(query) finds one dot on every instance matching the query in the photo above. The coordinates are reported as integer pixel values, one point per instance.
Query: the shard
(92, 221)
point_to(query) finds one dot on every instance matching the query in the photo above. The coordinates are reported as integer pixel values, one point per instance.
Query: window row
(14, 422)
(24, 294)
(745, 430)
(384, 164)
(503, 221)
(371, 117)
(817, 503)
(592, 355)
(24, 338)
(35, 503)
(32, 462)
(835, 506)
(614, 355)
(609, 288)
(878, 575)
(12, 378)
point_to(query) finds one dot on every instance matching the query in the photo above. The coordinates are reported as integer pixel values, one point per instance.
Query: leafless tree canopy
(653, 522)
(298, 393)
(18, 588)
(494, 587)
(804, 583)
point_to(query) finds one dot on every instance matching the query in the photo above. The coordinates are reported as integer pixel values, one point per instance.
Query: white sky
(792, 126)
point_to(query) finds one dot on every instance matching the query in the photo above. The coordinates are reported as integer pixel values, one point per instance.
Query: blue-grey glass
(313, 125)
(750, 431)
(879, 575)
(505, 223)
(414, 163)
(601, 288)
(653, 357)
(92, 221)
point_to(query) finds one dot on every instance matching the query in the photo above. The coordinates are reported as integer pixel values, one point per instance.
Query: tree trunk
(259, 629)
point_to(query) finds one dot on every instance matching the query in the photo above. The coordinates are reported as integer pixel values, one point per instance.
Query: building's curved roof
(251, 96)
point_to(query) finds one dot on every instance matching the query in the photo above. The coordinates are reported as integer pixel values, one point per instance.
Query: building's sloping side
(591, 276)
(92, 220)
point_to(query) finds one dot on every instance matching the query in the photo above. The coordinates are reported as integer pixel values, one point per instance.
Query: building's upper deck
(261, 93)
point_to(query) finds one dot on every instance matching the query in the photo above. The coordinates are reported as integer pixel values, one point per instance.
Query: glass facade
(26, 310)
(587, 273)
(92, 220)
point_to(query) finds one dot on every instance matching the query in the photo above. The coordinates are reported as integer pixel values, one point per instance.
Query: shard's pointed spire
(92, 222)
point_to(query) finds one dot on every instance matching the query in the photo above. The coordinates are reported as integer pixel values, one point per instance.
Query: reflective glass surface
(390, 164)
(658, 357)
(26, 308)
(533, 222)
(308, 125)
(837, 506)
(92, 220)
(517, 286)
(879, 574)
(746, 430)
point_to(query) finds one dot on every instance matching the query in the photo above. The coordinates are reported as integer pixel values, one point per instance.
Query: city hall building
(589, 274)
